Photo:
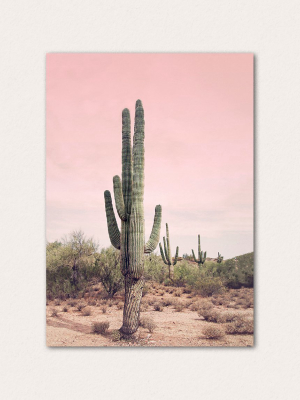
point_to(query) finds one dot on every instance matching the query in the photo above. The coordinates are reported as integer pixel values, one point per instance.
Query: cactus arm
(136, 232)
(154, 237)
(113, 230)
(168, 245)
(162, 254)
(138, 158)
(204, 258)
(176, 255)
(194, 256)
(119, 197)
(166, 251)
(126, 160)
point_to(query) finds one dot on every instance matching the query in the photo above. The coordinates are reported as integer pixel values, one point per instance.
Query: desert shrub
(80, 306)
(86, 311)
(204, 309)
(240, 301)
(104, 309)
(143, 307)
(72, 303)
(57, 302)
(110, 303)
(65, 309)
(212, 315)
(177, 293)
(238, 272)
(187, 303)
(107, 265)
(185, 274)
(120, 305)
(179, 307)
(213, 332)
(116, 335)
(158, 307)
(195, 306)
(49, 295)
(151, 302)
(155, 269)
(207, 286)
(204, 304)
(240, 325)
(92, 303)
(100, 327)
(54, 312)
(166, 302)
(68, 264)
(161, 292)
(148, 323)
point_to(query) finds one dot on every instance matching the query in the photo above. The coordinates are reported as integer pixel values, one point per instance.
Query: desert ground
(170, 317)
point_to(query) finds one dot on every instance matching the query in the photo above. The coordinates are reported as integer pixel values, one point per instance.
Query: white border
(30, 29)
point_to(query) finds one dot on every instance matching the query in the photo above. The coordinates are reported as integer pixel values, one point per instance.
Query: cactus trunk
(129, 198)
(131, 312)
(167, 256)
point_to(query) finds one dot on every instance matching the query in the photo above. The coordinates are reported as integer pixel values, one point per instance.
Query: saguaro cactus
(167, 256)
(129, 197)
(220, 258)
(202, 257)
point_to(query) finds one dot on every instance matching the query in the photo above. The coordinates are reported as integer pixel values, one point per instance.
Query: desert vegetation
(207, 306)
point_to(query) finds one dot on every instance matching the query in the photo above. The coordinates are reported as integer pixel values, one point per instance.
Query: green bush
(207, 286)
(155, 269)
(108, 270)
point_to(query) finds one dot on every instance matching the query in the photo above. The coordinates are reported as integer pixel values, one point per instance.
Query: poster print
(149, 184)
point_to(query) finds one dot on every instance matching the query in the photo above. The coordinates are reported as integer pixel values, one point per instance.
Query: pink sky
(198, 144)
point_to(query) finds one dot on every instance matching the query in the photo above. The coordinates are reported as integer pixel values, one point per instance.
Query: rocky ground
(169, 318)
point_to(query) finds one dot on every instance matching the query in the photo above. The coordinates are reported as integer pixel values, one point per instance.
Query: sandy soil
(174, 329)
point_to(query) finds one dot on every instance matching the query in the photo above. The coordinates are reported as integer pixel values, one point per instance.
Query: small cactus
(220, 258)
(166, 254)
(202, 257)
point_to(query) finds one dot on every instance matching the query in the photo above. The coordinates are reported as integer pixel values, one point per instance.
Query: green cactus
(202, 257)
(166, 254)
(220, 258)
(129, 197)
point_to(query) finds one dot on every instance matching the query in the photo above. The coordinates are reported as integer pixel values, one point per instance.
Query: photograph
(149, 200)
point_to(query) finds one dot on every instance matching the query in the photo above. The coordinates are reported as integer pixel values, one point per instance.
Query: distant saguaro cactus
(129, 197)
(202, 257)
(167, 256)
(220, 258)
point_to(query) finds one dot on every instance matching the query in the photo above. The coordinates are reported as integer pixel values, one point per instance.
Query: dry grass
(241, 324)
(80, 306)
(213, 332)
(148, 323)
(158, 307)
(100, 328)
(54, 312)
(86, 312)
(179, 307)
(116, 335)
